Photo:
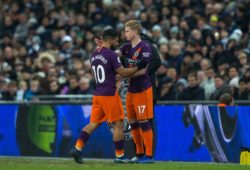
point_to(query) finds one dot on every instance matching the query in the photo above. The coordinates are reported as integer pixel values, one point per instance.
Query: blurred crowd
(204, 45)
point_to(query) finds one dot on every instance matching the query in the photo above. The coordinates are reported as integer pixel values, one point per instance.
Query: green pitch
(68, 164)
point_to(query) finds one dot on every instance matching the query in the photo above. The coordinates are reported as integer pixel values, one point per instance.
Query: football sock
(147, 135)
(137, 137)
(119, 148)
(82, 139)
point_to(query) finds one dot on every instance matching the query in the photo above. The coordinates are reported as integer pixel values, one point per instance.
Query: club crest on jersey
(136, 53)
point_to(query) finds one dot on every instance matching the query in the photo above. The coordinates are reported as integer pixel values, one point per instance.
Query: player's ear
(110, 41)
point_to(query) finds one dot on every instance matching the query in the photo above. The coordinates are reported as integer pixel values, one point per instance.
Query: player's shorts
(107, 108)
(140, 105)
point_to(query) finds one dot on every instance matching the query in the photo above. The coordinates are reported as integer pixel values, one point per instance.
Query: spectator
(233, 72)
(163, 51)
(45, 61)
(208, 84)
(242, 93)
(11, 92)
(157, 34)
(172, 73)
(84, 87)
(248, 87)
(193, 91)
(197, 57)
(247, 74)
(3, 86)
(243, 61)
(21, 31)
(73, 85)
(221, 87)
(181, 85)
(66, 51)
(174, 58)
(33, 90)
(54, 87)
(168, 90)
(187, 64)
(205, 64)
(222, 66)
(66, 30)
(201, 77)
(22, 90)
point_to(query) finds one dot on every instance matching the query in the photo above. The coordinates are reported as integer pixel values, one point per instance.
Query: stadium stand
(45, 45)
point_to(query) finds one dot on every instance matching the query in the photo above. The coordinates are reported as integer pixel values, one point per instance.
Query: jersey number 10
(99, 73)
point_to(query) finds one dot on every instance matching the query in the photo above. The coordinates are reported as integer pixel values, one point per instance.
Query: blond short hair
(134, 25)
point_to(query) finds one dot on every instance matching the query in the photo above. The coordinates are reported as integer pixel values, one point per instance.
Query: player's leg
(118, 138)
(75, 152)
(144, 110)
(113, 110)
(85, 133)
(147, 135)
(96, 118)
(135, 126)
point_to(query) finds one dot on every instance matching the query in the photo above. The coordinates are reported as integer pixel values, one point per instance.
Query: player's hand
(142, 64)
(118, 77)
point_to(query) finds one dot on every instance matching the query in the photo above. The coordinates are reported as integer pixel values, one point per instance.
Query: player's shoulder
(146, 49)
(146, 44)
(108, 52)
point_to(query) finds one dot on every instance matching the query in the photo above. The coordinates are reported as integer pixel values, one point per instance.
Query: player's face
(129, 34)
(114, 43)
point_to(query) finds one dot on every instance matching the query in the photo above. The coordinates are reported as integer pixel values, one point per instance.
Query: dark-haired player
(107, 105)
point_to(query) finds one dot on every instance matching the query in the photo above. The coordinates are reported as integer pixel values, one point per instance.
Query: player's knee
(118, 124)
(145, 125)
(92, 126)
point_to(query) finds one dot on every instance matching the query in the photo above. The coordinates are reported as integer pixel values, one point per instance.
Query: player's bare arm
(139, 73)
(127, 72)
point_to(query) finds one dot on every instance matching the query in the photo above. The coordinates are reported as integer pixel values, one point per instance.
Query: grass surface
(69, 164)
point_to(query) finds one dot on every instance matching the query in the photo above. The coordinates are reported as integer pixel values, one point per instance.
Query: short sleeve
(146, 53)
(115, 60)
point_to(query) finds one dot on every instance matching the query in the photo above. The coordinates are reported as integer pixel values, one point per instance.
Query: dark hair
(247, 70)
(242, 79)
(219, 76)
(226, 99)
(193, 74)
(109, 34)
(234, 66)
(210, 68)
(247, 79)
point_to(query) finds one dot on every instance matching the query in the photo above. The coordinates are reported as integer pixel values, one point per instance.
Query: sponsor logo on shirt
(145, 54)
(133, 62)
